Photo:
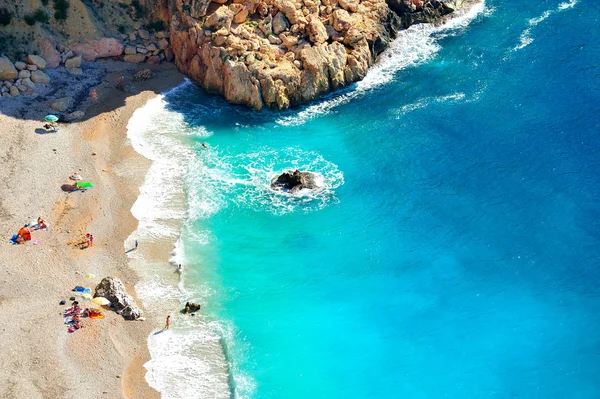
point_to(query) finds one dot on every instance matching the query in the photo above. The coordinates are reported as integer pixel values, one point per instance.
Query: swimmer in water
(205, 146)
(180, 268)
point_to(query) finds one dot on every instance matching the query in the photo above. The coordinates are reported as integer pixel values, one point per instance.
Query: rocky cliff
(280, 53)
(261, 53)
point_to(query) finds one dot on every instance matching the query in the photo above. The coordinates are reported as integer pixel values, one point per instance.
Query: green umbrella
(51, 118)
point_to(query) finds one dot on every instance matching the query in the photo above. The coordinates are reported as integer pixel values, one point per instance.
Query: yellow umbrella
(101, 301)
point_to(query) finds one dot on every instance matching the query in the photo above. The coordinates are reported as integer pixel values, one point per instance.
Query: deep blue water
(456, 251)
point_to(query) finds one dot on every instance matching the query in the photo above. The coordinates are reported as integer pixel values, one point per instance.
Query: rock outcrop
(280, 53)
(293, 181)
(102, 48)
(7, 70)
(191, 307)
(113, 289)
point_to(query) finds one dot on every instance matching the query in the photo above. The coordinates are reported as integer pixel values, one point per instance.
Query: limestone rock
(316, 31)
(101, 48)
(36, 60)
(24, 74)
(39, 77)
(240, 13)
(143, 33)
(349, 5)
(221, 18)
(7, 70)
(169, 55)
(74, 62)
(28, 83)
(154, 60)
(341, 20)
(129, 50)
(14, 91)
(76, 71)
(113, 289)
(280, 23)
(49, 53)
(32, 67)
(61, 104)
(20, 65)
(135, 58)
(163, 43)
(198, 8)
(293, 181)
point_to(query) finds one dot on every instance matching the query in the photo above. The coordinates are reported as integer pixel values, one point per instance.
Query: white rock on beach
(74, 62)
(20, 65)
(24, 74)
(28, 83)
(14, 91)
(61, 104)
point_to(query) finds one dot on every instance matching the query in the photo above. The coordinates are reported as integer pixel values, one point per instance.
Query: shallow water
(452, 252)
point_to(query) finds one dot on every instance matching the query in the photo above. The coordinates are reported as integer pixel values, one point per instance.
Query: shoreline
(41, 359)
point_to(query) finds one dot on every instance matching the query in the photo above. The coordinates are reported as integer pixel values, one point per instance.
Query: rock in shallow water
(293, 181)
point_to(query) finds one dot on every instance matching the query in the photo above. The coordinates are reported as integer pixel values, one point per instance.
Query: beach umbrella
(100, 300)
(51, 118)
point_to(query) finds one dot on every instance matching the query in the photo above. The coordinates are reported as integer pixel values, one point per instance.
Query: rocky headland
(260, 53)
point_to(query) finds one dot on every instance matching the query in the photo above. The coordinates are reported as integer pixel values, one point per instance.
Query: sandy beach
(105, 358)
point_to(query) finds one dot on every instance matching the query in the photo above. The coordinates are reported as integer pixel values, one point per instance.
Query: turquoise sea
(453, 250)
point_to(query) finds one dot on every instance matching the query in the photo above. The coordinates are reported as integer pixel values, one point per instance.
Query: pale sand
(38, 357)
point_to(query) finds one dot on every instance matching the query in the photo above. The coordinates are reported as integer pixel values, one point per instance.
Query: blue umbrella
(51, 118)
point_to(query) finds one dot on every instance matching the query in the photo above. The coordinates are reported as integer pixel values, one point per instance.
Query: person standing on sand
(168, 322)
(136, 244)
(91, 240)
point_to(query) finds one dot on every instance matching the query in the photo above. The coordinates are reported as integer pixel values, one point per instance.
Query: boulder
(32, 67)
(280, 23)
(24, 74)
(74, 62)
(14, 91)
(169, 55)
(163, 43)
(28, 83)
(7, 70)
(114, 290)
(151, 47)
(349, 5)
(130, 50)
(154, 60)
(61, 104)
(221, 18)
(132, 36)
(20, 65)
(73, 116)
(240, 13)
(341, 20)
(191, 307)
(293, 181)
(135, 58)
(39, 77)
(143, 33)
(37, 61)
(101, 48)
(49, 53)
(316, 30)
(76, 71)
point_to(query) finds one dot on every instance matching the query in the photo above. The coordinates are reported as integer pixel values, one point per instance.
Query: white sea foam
(425, 102)
(526, 39)
(413, 46)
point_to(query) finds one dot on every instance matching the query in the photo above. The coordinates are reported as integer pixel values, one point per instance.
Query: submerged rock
(113, 289)
(293, 181)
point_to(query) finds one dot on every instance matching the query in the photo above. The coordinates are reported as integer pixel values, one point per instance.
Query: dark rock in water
(421, 11)
(113, 289)
(293, 181)
(191, 307)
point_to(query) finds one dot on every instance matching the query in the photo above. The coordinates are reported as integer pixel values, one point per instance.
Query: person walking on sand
(136, 244)
(91, 240)
(168, 322)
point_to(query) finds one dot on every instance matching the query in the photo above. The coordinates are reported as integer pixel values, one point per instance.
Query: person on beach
(180, 268)
(91, 240)
(136, 244)
(75, 176)
(205, 146)
(41, 223)
(120, 81)
(94, 95)
(168, 322)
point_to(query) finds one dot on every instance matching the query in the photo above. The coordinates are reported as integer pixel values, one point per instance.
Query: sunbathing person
(41, 223)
